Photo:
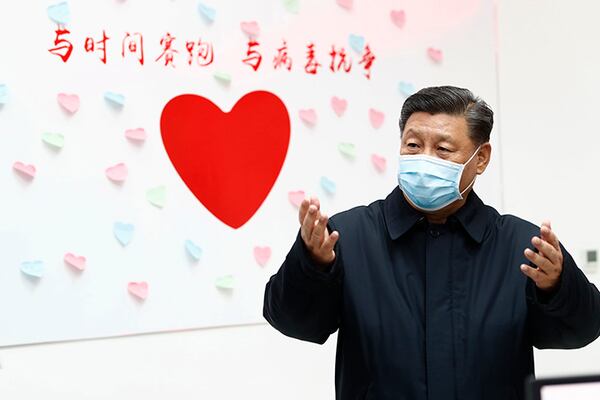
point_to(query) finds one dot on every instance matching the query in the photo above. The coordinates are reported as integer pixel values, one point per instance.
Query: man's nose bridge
(429, 150)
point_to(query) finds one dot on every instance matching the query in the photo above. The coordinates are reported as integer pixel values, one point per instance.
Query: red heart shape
(229, 161)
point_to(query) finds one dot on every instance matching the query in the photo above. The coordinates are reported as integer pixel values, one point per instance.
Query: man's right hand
(315, 235)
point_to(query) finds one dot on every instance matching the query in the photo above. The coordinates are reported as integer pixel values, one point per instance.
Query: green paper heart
(54, 139)
(157, 196)
(226, 282)
(347, 149)
(292, 6)
(223, 77)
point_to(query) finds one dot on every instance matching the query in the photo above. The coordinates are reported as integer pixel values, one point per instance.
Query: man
(436, 296)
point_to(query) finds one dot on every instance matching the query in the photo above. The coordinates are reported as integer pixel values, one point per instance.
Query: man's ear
(483, 157)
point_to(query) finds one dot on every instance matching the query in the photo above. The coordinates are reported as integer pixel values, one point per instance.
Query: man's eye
(443, 149)
(412, 145)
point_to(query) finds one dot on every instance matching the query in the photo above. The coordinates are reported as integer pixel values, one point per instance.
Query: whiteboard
(71, 205)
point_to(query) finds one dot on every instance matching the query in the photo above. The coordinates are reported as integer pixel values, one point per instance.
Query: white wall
(549, 102)
(249, 362)
(548, 80)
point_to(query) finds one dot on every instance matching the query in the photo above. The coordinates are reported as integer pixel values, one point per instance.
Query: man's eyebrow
(413, 131)
(442, 136)
(446, 137)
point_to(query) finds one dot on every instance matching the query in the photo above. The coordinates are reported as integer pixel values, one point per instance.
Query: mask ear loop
(472, 156)
(468, 187)
(473, 181)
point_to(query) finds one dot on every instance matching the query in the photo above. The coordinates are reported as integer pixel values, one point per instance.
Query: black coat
(426, 311)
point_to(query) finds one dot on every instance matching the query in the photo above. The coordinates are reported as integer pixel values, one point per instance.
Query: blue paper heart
(207, 12)
(34, 269)
(123, 232)
(3, 94)
(328, 185)
(59, 13)
(357, 43)
(115, 99)
(406, 88)
(193, 250)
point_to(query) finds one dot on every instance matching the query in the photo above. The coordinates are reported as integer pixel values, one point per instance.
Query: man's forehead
(445, 125)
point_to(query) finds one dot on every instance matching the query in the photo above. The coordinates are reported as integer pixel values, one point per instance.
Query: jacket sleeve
(570, 317)
(303, 299)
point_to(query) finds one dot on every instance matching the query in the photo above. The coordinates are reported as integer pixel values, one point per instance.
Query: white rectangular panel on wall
(152, 151)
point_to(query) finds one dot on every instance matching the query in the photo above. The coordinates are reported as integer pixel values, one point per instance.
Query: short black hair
(452, 100)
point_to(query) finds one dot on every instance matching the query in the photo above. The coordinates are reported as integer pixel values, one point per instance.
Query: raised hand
(314, 232)
(549, 259)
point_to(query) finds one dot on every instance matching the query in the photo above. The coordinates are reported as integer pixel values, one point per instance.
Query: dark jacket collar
(400, 216)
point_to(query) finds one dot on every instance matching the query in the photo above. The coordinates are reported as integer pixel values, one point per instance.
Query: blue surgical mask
(431, 183)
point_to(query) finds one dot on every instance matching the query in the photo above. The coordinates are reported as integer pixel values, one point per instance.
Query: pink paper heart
(308, 116)
(262, 255)
(117, 173)
(250, 28)
(376, 118)
(435, 54)
(77, 262)
(138, 135)
(138, 289)
(69, 102)
(347, 4)
(379, 162)
(296, 197)
(398, 18)
(339, 105)
(27, 171)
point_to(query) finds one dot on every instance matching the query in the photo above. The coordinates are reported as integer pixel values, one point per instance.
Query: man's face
(446, 137)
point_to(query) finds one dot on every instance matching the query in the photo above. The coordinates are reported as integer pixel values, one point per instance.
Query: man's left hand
(549, 259)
